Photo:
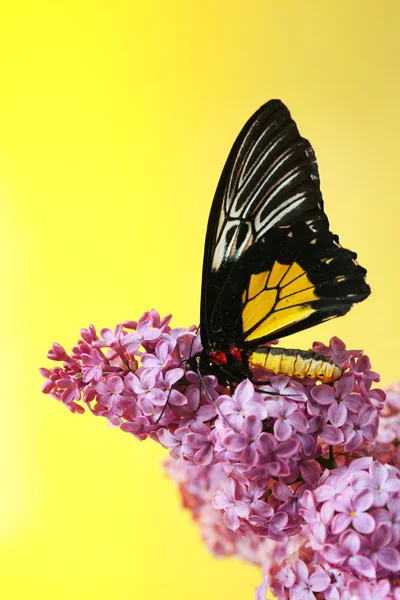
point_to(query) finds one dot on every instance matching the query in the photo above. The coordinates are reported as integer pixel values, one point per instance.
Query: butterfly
(271, 265)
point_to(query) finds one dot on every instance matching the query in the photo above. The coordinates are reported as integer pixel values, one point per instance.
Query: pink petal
(147, 379)
(244, 391)
(331, 435)
(381, 536)
(281, 491)
(173, 375)
(150, 361)
(101, 388)
(363, 566)
(379, 473)
(337, 414)
(242, 509)
(166, 438)
(299, 421)
(157, 397)
(230, 489)
(280, 519)
(392, 485)
(249, 455)
(324, 492)
(204, 456)
(206, 412)
(178, 399)
(282, 430)
(345, 385)
(363, 500)
(310, 471)
(261, 590)
(323, 394)
(231, 519)
(234, 442)
(364, 523)
(389, 558)
(319, 580)
(220, 501)
(340, 523)
(115, 383)
(334, 554)
(196, 440)
(252, 427)
(351, 542)
(327, 512)
(367, 415)
(354, 442)
(302, 571)
(287, 449)
(266, 443)
(308, 442)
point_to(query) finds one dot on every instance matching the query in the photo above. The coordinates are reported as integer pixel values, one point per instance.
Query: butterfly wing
(271, 266)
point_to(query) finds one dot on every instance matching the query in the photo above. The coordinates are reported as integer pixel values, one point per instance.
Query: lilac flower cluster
(259, 457)
(387, 443)
(341, 558)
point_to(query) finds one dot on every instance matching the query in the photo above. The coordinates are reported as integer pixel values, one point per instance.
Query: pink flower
(199, 445)
(359, 426)
(143, 385)
(174, 441)
(162, 356)
(145, 332)
(380, 550)
(261, 591)
(282, 498)
(307, 582)
(228, 502)
(110, 338)
(245, 443)
(274, 456)
(281, 386)
(58, 353)
(338, 398)
(369, 590)
(287, 418)
(378, 482)
(95, 365)
(71, 390)
(336, 351)
(110, 393)
(244, 402)
(346, 552)
(361, 369)
(353, 511)
(328, 433)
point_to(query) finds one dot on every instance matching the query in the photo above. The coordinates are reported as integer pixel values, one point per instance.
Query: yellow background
(115, 122)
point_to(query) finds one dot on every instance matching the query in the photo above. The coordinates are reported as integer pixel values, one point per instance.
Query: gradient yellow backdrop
(115, 122)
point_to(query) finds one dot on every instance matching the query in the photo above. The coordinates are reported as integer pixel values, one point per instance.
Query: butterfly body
(271, 265)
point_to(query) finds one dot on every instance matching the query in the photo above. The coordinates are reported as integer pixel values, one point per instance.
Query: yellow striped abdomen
(297, 363)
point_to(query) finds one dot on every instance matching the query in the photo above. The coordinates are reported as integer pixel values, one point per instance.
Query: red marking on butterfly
(237, 353)
(218, 358)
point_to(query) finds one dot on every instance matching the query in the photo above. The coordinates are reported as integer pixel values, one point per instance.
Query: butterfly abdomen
(297, 363)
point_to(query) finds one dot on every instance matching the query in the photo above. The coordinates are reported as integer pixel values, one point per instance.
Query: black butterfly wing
(266, 221)
(291, 279)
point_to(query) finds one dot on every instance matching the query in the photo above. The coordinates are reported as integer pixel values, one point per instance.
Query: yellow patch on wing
(279, 320)
(256, 309)
(302, 297)
(257, 283)
(276, 299)
(295, 271)
(276, 275)
(299, 284)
